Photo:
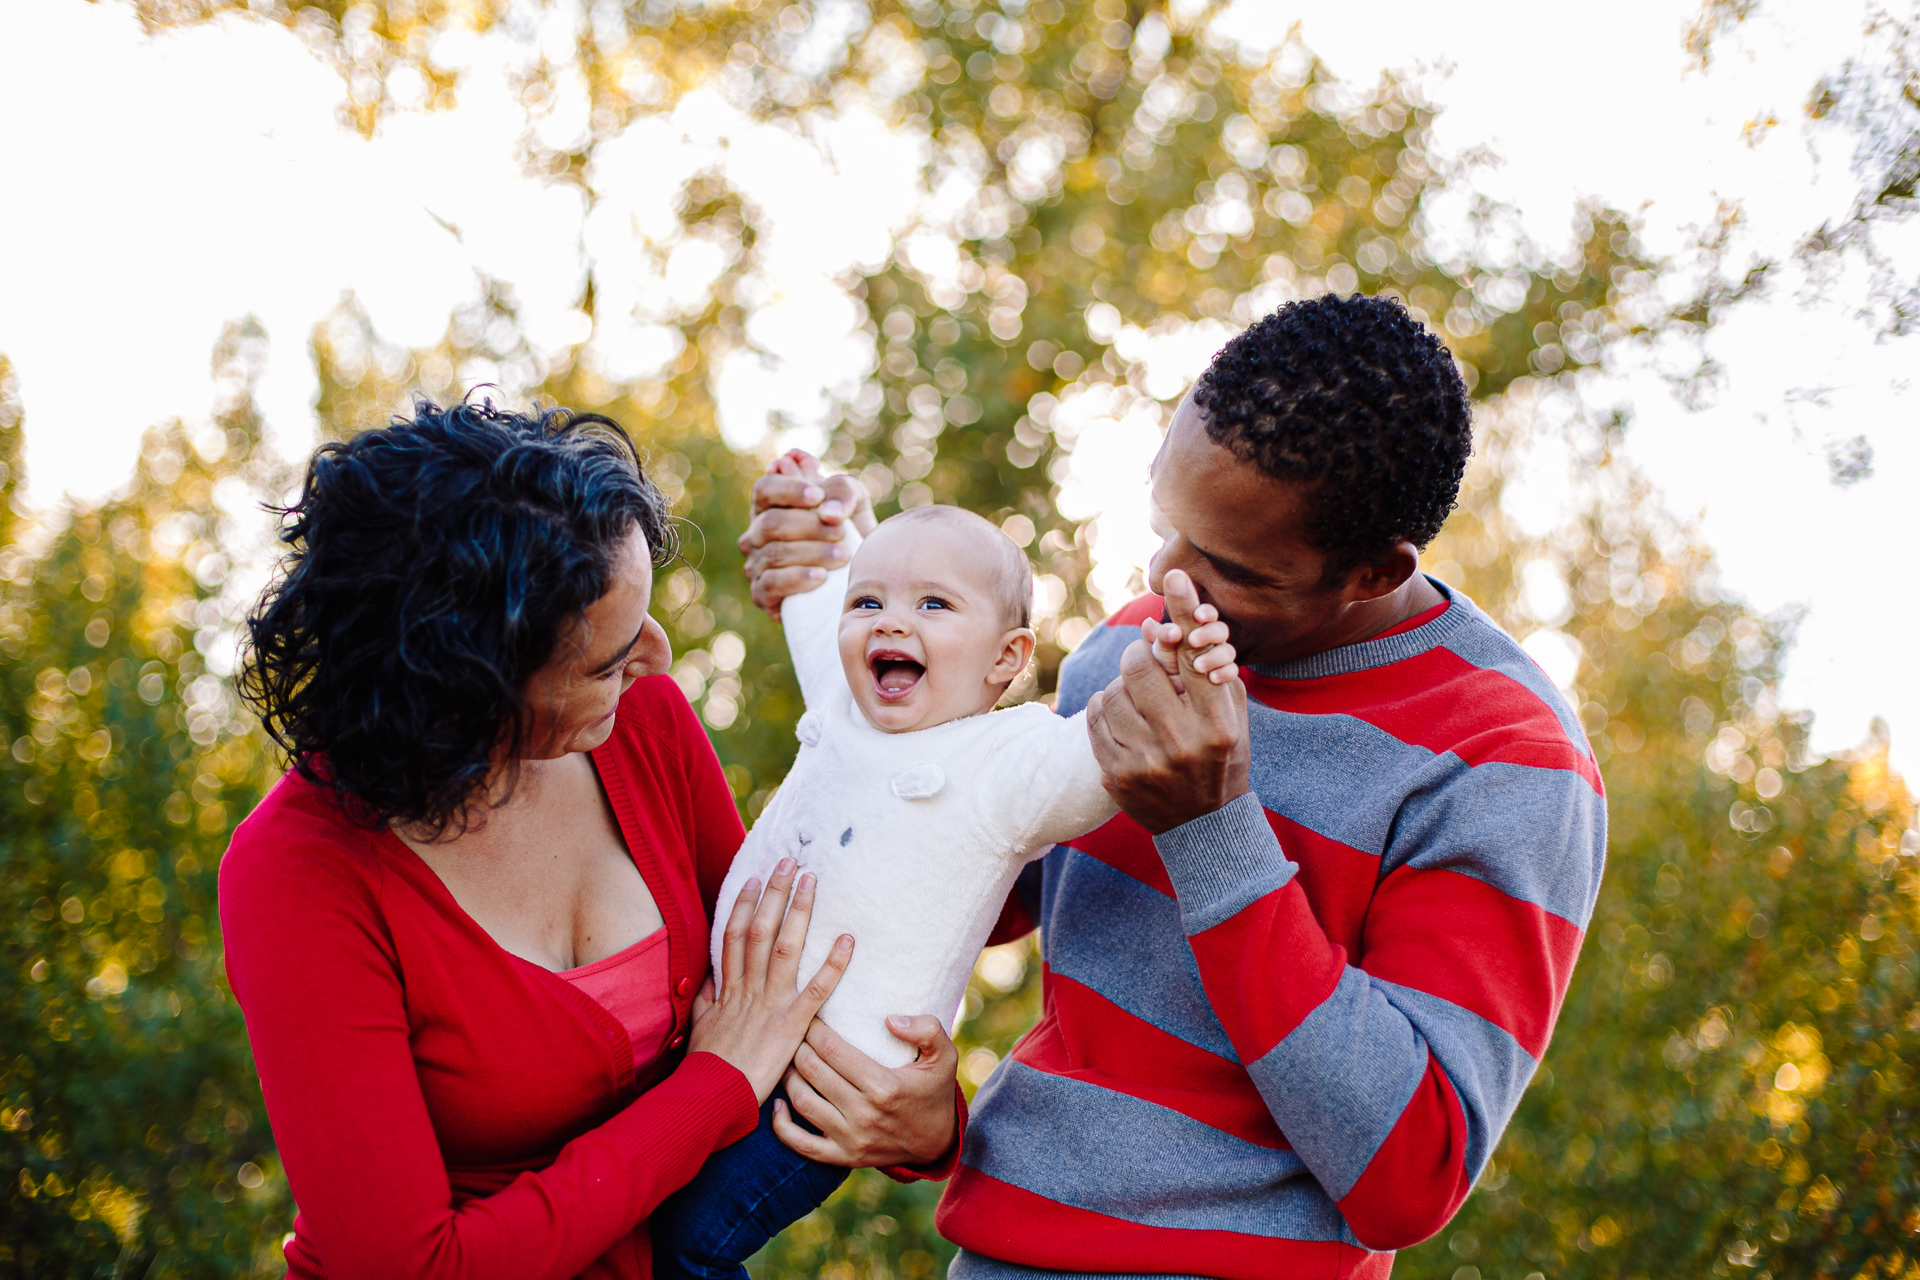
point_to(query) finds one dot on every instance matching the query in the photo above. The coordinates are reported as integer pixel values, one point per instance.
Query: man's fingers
(827, 1048)
(786, 491)
(923, 1032)
(810, 1145)
(819, 1078)
(1183, 602)
(787, 524)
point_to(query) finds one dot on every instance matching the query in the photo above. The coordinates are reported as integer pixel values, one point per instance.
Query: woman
(469, 929)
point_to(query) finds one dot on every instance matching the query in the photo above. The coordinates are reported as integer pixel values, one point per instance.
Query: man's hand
(868, 1115)
(1172, 750)
(799, 519)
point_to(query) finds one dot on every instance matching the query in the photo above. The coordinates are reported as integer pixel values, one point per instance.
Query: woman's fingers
(764, 927)
(828, 976)
(784, 965)
(733, 943)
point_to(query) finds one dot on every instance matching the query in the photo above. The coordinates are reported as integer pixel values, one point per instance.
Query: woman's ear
(1016, 650)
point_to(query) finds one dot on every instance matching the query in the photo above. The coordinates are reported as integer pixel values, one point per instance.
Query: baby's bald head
(1001, 564)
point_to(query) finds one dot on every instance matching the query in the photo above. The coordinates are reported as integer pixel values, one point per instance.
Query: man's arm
(1393, 1076)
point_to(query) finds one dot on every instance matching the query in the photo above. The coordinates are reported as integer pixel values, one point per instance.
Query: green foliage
(1732, 1083)
(132, 1139)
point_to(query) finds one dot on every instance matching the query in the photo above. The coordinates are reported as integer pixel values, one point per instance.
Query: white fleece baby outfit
(915, 837)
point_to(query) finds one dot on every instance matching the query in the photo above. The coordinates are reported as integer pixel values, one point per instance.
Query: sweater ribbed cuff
(1222, 861)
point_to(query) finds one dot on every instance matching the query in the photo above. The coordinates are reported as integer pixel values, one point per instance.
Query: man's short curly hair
(1357, 399)
(435, 565)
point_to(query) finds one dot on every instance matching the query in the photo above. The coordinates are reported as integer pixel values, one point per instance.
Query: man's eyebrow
(619, 657)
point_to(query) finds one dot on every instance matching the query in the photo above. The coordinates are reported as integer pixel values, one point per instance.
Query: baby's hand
(1211, 654)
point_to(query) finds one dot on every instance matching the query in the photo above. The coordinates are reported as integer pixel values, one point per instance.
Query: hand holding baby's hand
(1208, 652)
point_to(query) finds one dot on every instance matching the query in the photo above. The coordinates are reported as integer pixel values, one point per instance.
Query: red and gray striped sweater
(1283, 1039)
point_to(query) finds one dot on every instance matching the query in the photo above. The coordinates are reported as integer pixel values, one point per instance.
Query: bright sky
(160, 187)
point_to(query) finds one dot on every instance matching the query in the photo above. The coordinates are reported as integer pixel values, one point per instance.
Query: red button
(676, 1042)
(683, 987)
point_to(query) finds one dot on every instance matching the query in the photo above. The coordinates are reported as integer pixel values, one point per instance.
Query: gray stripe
(1123, 939)
(1538, 835)
(1488, 1068)
(1056, 1137)
(1222, 861)
(1334, 774)
(974, 1266)
(1535, 834)
(1340, 1080)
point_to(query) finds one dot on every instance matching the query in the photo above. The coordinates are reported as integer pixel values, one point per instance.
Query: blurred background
(974, 251)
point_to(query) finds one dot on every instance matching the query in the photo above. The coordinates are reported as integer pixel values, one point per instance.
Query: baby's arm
(812, 618)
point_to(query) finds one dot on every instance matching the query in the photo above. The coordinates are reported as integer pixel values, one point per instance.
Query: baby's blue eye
(865, 602)
(933, 603)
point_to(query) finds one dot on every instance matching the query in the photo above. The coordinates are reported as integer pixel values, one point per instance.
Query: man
(1294, 992)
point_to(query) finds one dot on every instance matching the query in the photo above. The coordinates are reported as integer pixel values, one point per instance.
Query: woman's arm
(324, 997)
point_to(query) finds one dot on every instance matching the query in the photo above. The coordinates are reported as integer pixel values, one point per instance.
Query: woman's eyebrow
(619, 657)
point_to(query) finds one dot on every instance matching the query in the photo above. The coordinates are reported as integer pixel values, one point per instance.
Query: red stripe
(1087, 1037)
(1466, 942)
(1266, 968)
(1135, 612)
(1124, 845)
(1440, 701)
(1418, 1177)
(1337, 879)
(999, 1220)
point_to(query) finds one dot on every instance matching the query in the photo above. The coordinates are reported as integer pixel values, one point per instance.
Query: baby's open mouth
(894, 673)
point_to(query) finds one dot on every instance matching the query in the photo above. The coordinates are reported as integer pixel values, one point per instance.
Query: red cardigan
(442, 1107)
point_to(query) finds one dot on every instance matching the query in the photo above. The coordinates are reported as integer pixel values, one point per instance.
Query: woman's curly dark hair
(435, 565)
(1357, 399)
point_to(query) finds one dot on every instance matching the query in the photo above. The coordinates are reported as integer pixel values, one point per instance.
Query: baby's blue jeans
(743, 1196)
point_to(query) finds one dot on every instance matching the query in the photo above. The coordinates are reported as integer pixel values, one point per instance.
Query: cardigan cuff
(709, 1073)
(941, 1167)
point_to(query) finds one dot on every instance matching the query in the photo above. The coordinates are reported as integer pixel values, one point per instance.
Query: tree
(1731, 1086)
(1874, 99)
(132, 1138)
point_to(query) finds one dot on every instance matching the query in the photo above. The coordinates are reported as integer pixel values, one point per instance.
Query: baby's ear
(1016, 651)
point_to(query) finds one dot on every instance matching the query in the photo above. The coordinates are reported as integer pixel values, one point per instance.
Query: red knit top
(442, 1107)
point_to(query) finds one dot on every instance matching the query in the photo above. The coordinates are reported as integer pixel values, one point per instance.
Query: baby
(913, 806)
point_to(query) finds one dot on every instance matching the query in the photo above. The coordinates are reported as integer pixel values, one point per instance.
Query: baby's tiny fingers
(1213, 633)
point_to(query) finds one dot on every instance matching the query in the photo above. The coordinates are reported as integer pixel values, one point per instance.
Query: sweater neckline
(1382, 650)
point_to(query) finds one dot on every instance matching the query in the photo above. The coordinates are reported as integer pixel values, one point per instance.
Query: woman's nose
(653, 654)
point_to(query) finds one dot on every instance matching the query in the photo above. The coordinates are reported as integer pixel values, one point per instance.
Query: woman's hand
(799, 519)
(758, 1020)
(869, 1115)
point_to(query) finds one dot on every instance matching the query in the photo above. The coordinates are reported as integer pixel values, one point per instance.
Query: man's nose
(1167, 556)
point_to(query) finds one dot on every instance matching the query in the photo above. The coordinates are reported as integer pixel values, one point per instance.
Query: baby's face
(925, 636)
